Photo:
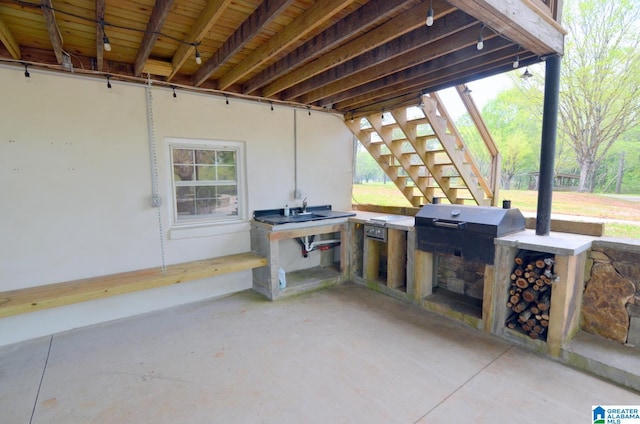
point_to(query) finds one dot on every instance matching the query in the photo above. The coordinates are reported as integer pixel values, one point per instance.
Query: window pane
(226, 157)
(226, 173)
(183, 172)
(205, 181)
(206, 157)
(182, 156)
(185, 201)
(206, 173)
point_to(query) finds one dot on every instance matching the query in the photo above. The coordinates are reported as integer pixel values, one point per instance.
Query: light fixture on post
(526, 74)
(430, 14)
(105, 40)
(198, 57)
(516, 63)
(480, 43)
(467, 90)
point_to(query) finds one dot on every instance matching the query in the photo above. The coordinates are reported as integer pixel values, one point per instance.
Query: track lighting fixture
(526, 74)
(430, 14)
(26, 71)
(109, 81)
(198, 57)
(480, 43)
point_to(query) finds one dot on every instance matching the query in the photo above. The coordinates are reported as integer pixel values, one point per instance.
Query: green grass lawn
(565, 203)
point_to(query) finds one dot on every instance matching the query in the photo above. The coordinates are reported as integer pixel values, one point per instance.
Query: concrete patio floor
(340, 355)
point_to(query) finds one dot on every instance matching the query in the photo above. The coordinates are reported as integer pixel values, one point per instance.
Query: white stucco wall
(76, 186)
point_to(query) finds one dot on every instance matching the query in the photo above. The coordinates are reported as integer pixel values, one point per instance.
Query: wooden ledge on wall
(14, 302)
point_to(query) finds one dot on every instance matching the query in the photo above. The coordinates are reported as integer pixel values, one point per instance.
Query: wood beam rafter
(401, 24)
(99, 35)
(301, 26)
(160, 12)
(52, 29)
(212, 12)
(519, 21)
(6, 37)
(399, 47)
(251, 27)
(362, 20)
(424, 54)
(423, 76)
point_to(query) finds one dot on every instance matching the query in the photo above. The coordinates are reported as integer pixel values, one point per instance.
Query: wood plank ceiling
(352, 56)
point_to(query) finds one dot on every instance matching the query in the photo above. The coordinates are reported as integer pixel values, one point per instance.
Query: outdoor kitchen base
(455, 306)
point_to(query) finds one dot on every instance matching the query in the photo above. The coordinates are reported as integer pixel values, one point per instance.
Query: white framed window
(207, 181)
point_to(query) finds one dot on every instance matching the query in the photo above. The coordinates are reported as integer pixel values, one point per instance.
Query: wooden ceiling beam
(361, 20)
(52, 29)
(212, 12)
(262, 16)
(159, 14)
(401, 24)
(398, 47)
(301, 26)
(426, 53)
(517, 20)
(99, 35)
(8, 41)
(424, 77)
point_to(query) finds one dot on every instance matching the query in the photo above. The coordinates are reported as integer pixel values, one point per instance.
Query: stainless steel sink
(314, 213)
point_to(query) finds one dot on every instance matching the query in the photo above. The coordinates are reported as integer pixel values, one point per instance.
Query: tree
(366, 167)
(600, 82)
(517, 135)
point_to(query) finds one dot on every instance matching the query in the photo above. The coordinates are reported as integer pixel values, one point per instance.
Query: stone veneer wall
(611, 300)
(460, 276)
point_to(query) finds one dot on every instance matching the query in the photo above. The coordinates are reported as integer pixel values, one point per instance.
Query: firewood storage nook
(530, 293)
(565, 256)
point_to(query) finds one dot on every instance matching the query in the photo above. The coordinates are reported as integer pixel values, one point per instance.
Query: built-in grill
(376, 228)
(464, 230)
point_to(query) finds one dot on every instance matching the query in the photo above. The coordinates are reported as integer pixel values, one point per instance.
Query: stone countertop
(564, 244)
(405, 223)
(361, 217)
(299, 225)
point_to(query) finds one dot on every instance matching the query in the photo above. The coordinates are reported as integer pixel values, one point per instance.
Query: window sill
(208, 230)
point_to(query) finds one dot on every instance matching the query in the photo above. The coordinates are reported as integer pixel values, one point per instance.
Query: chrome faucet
(304, 205)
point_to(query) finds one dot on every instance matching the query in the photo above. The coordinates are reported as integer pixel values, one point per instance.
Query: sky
(482, 91)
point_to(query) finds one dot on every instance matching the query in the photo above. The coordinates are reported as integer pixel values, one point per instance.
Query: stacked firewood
(530, 293)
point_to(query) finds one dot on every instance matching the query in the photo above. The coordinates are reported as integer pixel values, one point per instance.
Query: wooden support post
(371, 259)
(396, 258)
(494, 310)
(423, 275)
(566, 300)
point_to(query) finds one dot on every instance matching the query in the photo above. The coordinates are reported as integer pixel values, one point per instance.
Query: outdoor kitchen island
(302, 255)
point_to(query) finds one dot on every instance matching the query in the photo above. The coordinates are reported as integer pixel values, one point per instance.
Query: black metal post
(548, 145)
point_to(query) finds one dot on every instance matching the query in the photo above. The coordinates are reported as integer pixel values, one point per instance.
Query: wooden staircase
(423, 153)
